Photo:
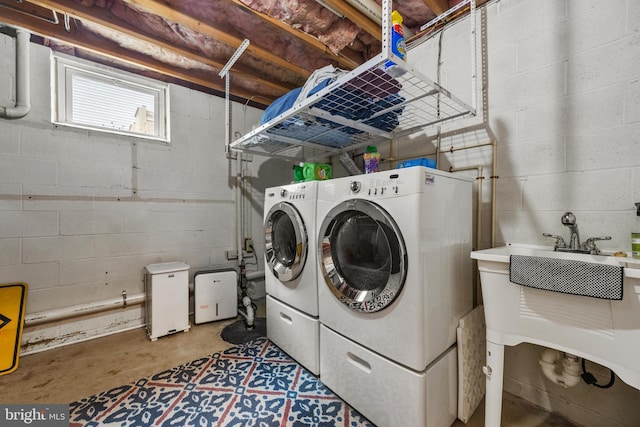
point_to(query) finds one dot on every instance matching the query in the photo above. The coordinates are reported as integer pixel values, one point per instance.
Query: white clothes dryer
(393, 281)
(291, 271)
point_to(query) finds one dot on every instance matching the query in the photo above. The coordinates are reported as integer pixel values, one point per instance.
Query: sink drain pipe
(569, 376)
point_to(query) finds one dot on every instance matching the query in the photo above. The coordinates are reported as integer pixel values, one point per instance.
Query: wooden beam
(160, 8)
(357, 17)
(103, 17)
(305, 38)
(109, 49)
(437, 6)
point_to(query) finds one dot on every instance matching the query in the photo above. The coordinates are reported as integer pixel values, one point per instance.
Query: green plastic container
(312, 172)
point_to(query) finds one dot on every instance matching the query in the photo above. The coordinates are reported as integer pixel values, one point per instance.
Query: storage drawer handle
(286, 318)
(359, 362)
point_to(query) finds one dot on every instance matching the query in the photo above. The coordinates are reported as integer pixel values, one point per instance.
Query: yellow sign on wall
(13, 300)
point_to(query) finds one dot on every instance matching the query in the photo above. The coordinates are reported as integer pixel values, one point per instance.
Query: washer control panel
(297, 193)
(388, 186)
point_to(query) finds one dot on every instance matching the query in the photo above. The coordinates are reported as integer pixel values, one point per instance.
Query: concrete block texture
(21, 170)
(28, 224)
(9, 251)
(10, 141)
(37, 276)
(82, 212)
(562, 101)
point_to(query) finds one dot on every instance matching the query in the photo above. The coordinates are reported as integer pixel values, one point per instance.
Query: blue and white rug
(255, 384)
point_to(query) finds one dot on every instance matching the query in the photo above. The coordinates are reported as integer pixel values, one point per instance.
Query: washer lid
(364, 259)
(286, 241)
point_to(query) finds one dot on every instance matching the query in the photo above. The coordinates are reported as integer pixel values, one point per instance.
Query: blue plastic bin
(418, 162)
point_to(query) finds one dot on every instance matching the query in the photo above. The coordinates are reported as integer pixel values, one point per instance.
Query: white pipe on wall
(253, 275)
(82, 309)
(23, 96)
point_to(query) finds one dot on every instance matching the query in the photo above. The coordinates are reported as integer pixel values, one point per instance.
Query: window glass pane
(104, 104)
(93, 96)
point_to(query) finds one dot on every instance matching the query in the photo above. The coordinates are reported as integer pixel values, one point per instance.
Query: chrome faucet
(569, 219)
(574, 245)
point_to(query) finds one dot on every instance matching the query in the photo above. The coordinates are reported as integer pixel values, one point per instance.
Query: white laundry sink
(604, 331)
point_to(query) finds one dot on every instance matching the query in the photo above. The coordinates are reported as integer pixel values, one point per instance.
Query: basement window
(92, 96)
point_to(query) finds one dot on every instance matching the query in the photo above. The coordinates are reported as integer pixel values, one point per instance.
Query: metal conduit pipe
(477, 292)
(479, 177)
(494, 178)
(239, 216)
(449, 150)
(23, 83)
(65, 313)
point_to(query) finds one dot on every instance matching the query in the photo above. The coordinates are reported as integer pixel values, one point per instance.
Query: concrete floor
(70, 373)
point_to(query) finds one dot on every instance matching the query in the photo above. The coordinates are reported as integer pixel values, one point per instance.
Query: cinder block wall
(559, 91)
(82, 212)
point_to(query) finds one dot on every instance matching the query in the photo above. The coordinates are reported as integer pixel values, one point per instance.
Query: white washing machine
(394, 278)
(291, 271)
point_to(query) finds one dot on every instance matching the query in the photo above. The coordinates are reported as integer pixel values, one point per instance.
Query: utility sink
(605, 331)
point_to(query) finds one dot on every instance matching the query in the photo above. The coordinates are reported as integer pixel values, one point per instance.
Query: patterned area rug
(255, 384)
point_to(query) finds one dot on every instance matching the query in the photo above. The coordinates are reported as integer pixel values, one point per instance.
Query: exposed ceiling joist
(158, 8)
(95, 44)
(106, 19)
(437, 6)
(189, 41)
(357, 17)
(342, 60)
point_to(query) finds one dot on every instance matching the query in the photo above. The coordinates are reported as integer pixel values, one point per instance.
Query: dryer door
(364, 259)
(286, 241)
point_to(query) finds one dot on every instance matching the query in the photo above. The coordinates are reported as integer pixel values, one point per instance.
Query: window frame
(63, 70)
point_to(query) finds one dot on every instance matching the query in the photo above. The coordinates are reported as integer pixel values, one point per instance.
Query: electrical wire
(588, 377)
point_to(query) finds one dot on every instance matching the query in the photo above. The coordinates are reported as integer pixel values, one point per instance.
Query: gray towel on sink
(567, 276)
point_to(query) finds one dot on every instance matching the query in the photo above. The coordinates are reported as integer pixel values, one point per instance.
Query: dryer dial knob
(283, 193)
(355, 186)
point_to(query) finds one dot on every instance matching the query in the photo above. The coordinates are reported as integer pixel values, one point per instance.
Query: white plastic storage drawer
(167, 298)
(386, 393)
(215, 295)
(296, 333)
